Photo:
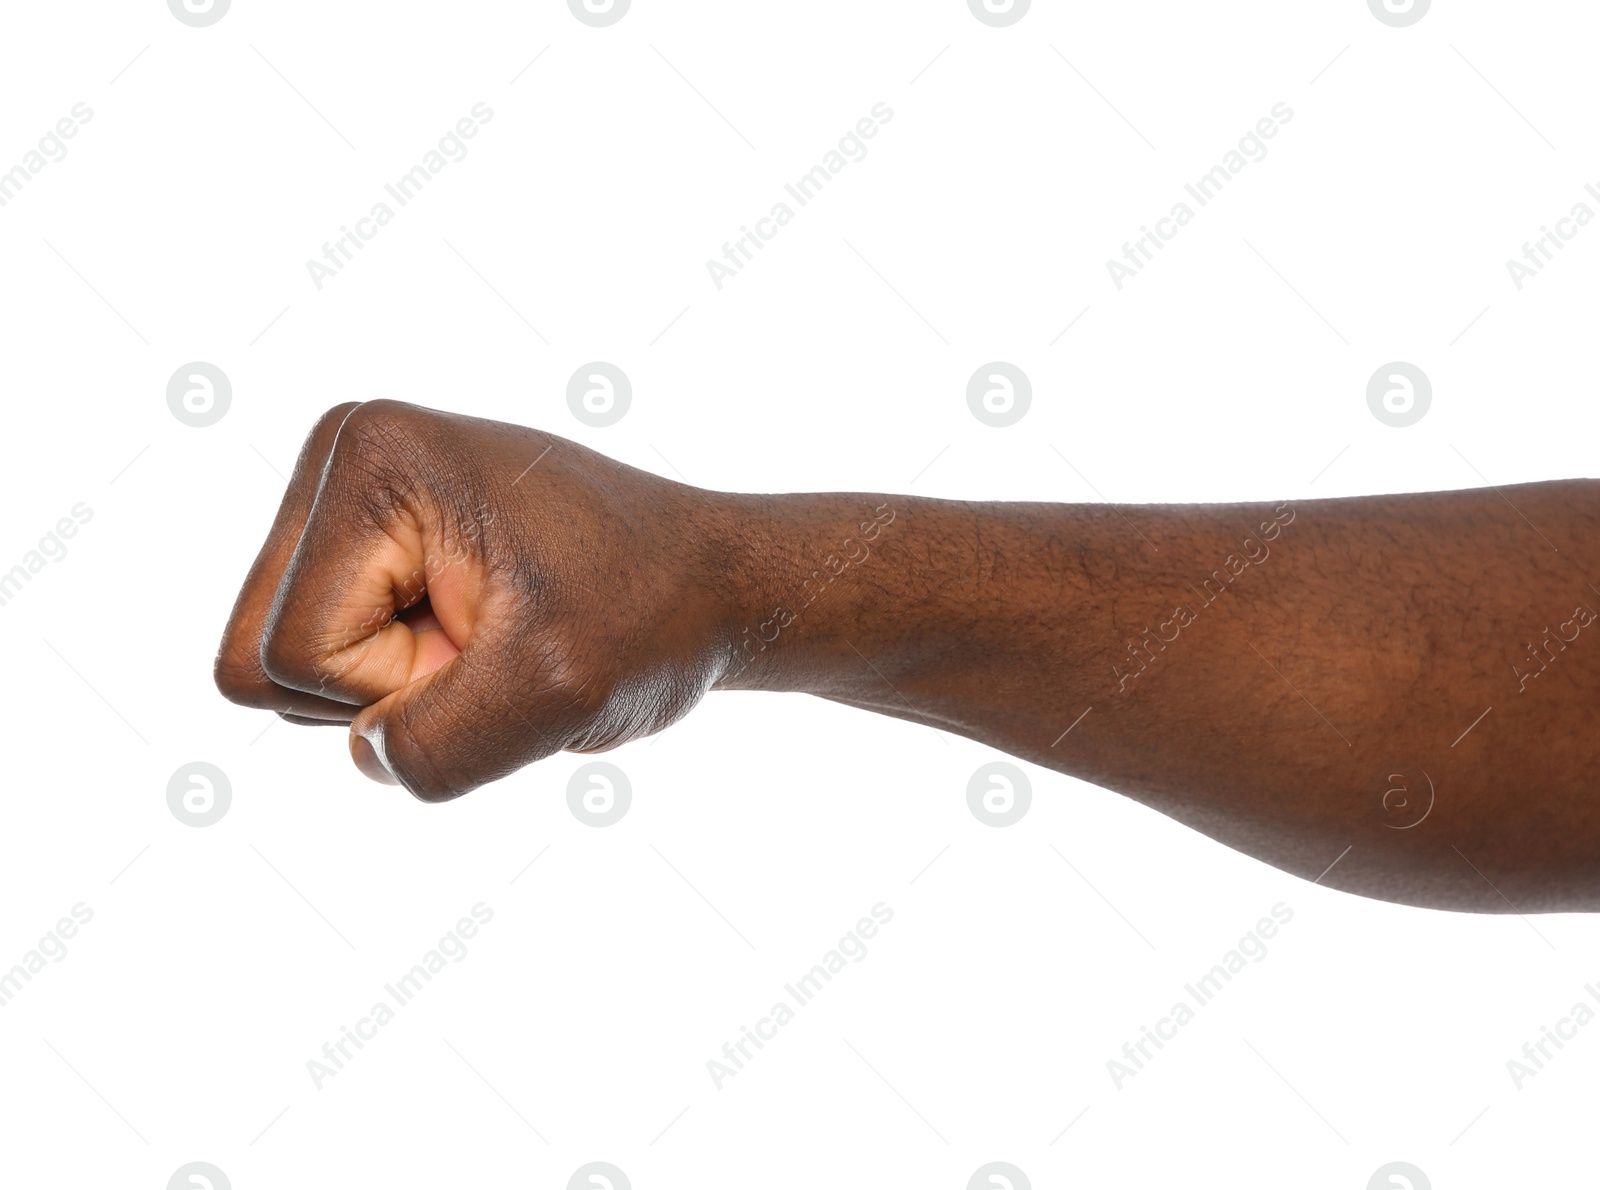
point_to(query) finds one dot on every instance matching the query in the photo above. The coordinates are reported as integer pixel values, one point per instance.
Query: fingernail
(366, 758)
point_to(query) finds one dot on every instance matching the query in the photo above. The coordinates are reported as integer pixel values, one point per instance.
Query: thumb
(453, 730)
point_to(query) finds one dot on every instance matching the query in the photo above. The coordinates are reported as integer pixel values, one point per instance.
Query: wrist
(803, 576)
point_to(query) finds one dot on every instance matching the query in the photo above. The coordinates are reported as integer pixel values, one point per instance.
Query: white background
(578, 1028)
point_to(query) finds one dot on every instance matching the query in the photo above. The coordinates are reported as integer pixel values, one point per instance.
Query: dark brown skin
(1292, 680)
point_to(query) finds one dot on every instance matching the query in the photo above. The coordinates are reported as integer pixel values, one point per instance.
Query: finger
(238, 671)
(433, 653)
(460, 727)
(367, 761)
(376, 542)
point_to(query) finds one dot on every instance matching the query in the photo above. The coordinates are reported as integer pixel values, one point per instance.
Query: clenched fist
(471, 596)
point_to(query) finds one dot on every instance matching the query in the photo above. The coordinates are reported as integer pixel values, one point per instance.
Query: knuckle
(376, 428)
(237, 680)
(237, 668)
(325, 429)
(376, 458)
(285, 663)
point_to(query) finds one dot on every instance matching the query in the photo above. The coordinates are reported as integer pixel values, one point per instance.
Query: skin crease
(1304, 682)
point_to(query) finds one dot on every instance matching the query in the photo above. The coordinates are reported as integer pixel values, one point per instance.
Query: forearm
(967, 616)
(1261, 672)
